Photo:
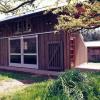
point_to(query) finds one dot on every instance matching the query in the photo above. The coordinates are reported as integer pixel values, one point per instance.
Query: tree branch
(22, 4)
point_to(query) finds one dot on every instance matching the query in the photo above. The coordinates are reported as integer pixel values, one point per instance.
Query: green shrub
(75, 85)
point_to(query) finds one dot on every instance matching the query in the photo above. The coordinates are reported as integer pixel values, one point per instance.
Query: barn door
(55, 56)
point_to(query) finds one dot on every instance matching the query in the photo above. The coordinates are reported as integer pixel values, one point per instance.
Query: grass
(2, 77)
(41, 90)
(36, 91)
(24, 77)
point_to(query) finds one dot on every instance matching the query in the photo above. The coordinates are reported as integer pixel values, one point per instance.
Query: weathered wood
(4, 60)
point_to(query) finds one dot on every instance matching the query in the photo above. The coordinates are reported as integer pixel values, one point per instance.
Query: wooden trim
(50, 32)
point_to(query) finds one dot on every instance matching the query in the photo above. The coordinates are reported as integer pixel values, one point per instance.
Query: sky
(2, 16)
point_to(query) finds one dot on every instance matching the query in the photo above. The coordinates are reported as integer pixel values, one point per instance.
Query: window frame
(27, 22)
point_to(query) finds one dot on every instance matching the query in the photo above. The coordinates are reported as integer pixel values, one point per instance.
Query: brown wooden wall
(4, 52)
(43, 41)
(93, 54)
(39, 23)
(81, 51)
(43, 52)
(66, 51)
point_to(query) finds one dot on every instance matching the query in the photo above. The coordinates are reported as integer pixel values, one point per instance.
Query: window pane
(19, 27)
(15, 46)
(30, 45)
(24, 25)
(15, 59)
(30, 59)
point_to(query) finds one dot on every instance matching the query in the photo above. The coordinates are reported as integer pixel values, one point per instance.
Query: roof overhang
(92, 44)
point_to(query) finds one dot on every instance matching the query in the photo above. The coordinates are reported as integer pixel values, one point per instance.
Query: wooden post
(66, 50)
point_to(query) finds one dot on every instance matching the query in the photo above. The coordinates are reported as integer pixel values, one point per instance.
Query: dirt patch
(10, 86)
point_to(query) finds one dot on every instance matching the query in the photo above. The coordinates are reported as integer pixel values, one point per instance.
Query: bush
(75, 85)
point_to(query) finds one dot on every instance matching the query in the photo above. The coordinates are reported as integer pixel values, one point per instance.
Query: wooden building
(93, 51)
(30, 41)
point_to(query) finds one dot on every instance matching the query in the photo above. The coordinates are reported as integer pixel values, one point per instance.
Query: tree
(71, 17)
(16, 6)
(78, 16)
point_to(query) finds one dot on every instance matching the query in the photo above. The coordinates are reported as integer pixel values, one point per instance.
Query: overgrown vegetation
(75, 85)
(71, 85)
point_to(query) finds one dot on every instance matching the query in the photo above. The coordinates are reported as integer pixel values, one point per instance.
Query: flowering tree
(78, 16)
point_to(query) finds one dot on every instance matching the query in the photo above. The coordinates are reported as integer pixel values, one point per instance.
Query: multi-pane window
(23, 52)
(26, 26)
(22, 26)
(17, 27)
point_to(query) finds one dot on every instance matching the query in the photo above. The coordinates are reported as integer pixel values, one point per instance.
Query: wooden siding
(81, 51)
(93, 54)
(4, 52)
(40, 23)
(43, 41)
(66, 51)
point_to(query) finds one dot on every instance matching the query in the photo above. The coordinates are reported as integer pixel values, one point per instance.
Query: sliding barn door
(55, 56)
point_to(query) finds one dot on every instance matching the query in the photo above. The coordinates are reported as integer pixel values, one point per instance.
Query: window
(18, 27)
(22, 26)
(15, 58)
(30, 45)
(23, 52)
(15, 46)
(26, 26)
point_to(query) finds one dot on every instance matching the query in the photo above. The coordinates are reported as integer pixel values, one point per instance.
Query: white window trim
(22, 57)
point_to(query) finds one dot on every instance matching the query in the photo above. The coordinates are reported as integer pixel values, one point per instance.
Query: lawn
(80, 85)
(10, 82)
(23, 77)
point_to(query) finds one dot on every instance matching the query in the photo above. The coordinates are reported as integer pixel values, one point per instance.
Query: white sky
(2, 16)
